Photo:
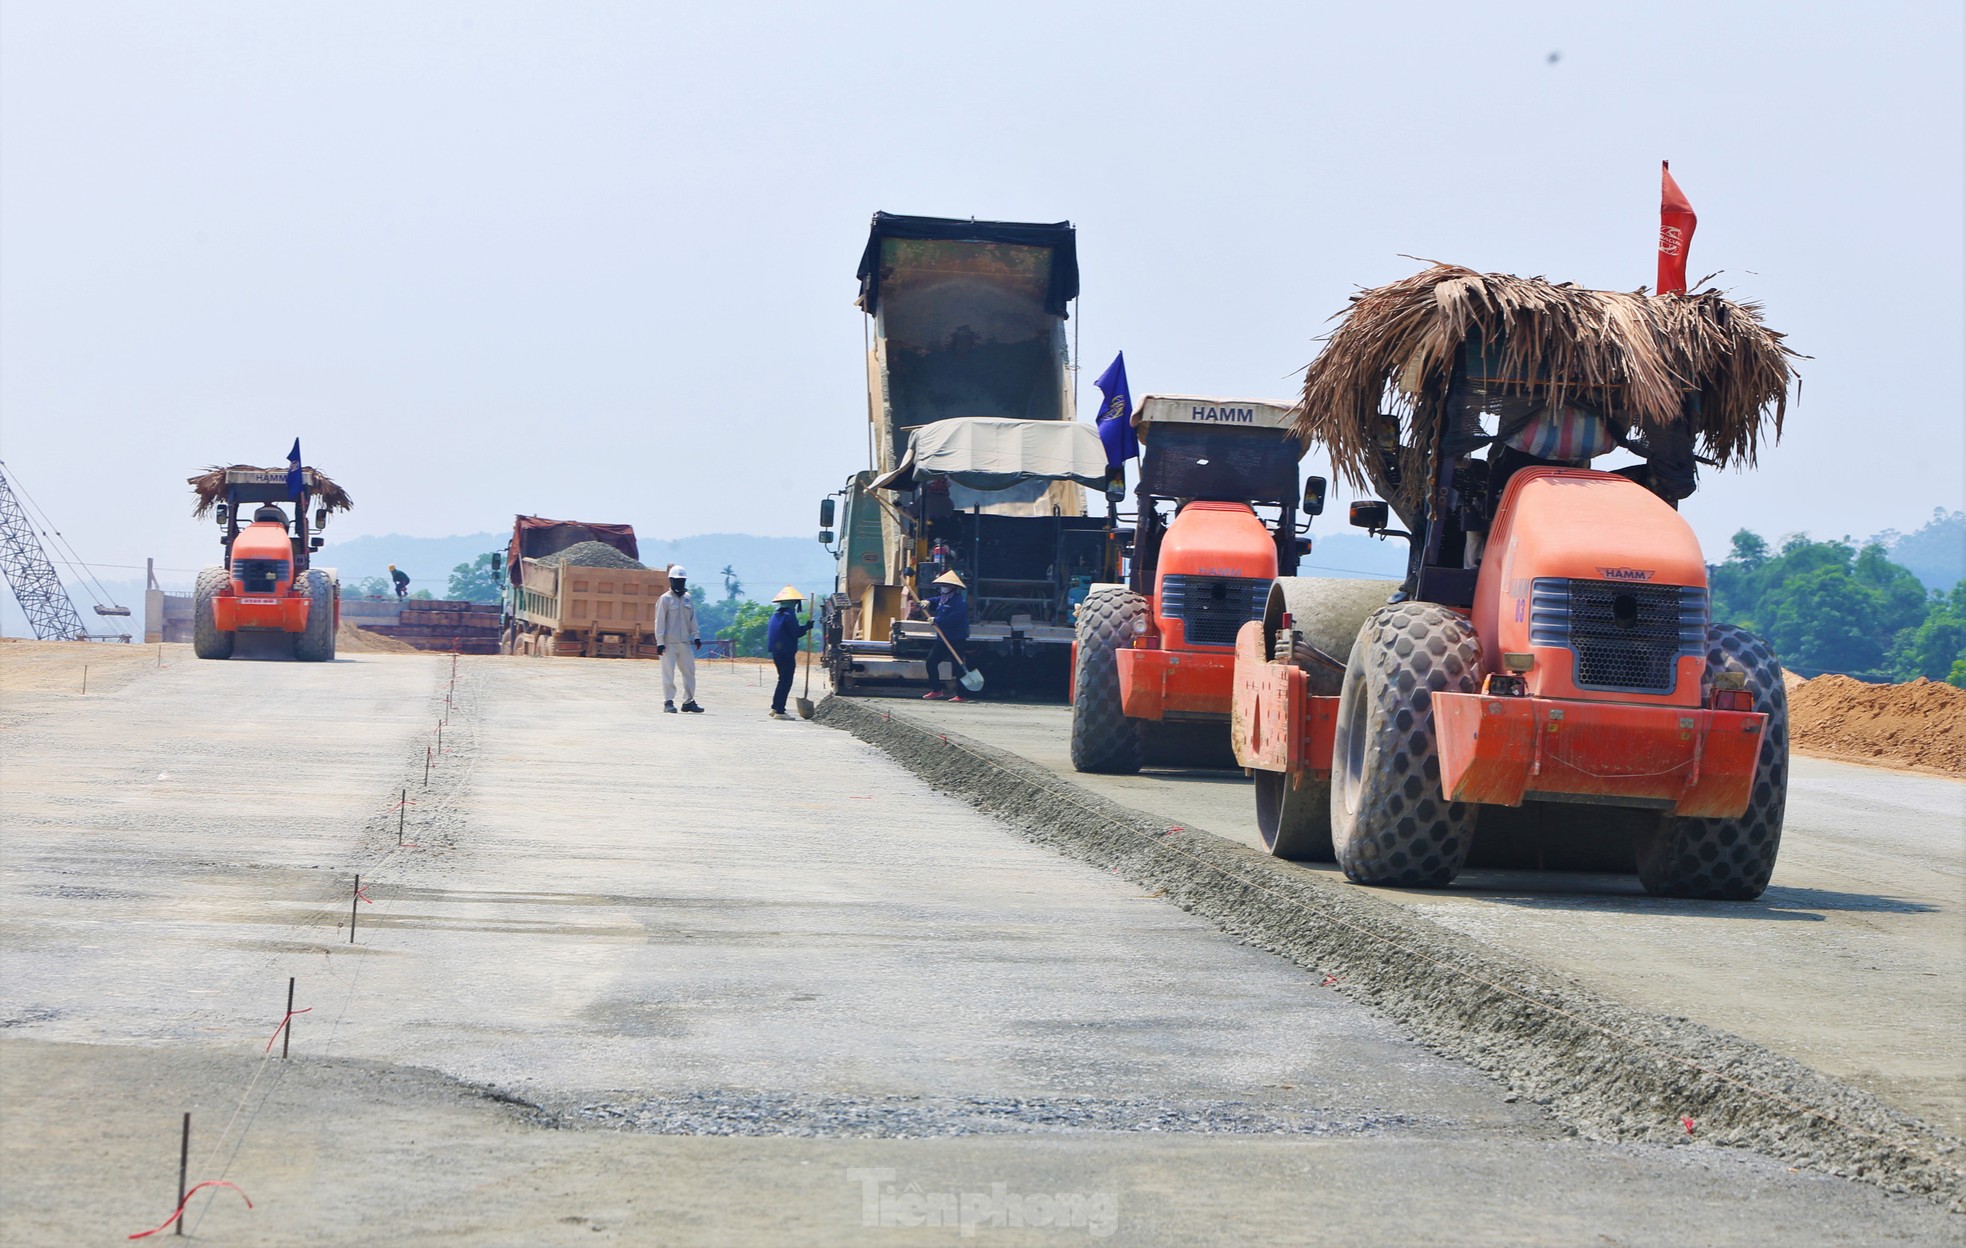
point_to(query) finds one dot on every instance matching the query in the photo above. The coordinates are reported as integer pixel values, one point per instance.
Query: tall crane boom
(32, 577)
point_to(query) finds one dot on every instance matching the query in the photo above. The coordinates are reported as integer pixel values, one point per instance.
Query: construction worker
(676, 642)
(782, 635)
(951, 615)
(402, 580)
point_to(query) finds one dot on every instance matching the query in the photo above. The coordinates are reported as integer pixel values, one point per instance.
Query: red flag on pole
(1676, 222)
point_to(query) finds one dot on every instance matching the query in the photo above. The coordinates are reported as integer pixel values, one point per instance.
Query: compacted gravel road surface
(709, 979)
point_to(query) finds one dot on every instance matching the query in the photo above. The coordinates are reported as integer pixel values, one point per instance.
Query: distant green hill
(1935, 553)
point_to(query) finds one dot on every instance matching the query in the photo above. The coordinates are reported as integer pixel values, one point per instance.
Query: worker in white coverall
(676, 642)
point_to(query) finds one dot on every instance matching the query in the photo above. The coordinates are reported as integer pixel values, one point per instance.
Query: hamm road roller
(1154, 659)
(266, 583)
(1547, 687)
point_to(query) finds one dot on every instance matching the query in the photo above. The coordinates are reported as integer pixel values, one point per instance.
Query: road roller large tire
(1104, 740)
(1730, 859)
(315, 643)
(207, 641)
(1390, 825)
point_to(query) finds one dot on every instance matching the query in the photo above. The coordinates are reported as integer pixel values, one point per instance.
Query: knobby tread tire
(1730, 859)
(1390, 824)
(207, 642)
(1104, 740)
(315, 643)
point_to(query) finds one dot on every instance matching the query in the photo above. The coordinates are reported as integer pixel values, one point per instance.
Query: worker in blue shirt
(951, 615)
(782, 635)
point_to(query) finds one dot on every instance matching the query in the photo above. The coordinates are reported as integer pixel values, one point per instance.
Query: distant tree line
(1834, 607)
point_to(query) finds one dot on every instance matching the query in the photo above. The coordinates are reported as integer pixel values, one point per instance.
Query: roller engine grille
(260, 576)
(1624, 637)
(1212, 608)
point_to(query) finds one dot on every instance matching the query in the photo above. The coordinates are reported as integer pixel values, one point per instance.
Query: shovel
(805, 702)
(972, 679)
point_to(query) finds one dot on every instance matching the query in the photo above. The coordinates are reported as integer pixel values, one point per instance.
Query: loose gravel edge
(1607, 1069)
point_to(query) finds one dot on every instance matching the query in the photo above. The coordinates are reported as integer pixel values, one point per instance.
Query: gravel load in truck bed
(591, 555)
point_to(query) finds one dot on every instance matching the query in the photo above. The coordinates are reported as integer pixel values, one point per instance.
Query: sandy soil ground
(1918, 726)
(715, 979)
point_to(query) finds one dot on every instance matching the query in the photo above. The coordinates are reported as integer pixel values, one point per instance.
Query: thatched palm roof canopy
(209, 486)
(1632, 357)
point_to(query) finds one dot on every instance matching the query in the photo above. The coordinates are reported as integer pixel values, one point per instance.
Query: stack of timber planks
(440, 624)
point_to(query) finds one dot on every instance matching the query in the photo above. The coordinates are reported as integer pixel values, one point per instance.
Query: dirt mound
(591, 555)
(361, 641)
(1921, 725)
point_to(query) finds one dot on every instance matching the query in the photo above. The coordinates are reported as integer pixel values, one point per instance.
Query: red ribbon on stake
(283, 1026)
(165, 1225)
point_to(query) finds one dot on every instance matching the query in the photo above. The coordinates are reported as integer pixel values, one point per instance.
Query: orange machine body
(1594, 592)
(1572, 527)
(261, 593)
(1581, 568)
(1278, 724)
(1169, 672)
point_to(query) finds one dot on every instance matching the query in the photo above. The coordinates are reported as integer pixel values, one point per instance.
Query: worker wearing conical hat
(782, 635)
(950, 612)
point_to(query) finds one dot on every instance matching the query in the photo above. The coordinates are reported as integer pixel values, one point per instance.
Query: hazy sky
(596, 260)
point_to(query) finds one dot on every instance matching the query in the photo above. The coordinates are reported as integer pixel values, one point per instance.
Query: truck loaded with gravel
(1547, 686)
(977, 465)
(267, 583)
(579, 589)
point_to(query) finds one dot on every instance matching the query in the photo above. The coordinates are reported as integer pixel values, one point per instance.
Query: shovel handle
(952, 645)
(814, 614)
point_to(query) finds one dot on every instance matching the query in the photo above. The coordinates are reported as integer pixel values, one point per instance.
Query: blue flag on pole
(1115, 417)
(294, 489)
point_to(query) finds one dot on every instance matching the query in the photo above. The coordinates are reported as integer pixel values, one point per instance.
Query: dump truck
(1548, 687)
(579, 588)
(977, 465)
(1158, 652)
(267, 583)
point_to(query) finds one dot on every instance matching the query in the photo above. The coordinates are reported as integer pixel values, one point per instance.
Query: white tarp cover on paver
(994, 453)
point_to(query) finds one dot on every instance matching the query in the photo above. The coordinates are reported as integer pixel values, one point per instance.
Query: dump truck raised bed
(579, 589)
(977, 465)
(267, 583)
(1159, 651)
(1550, 675)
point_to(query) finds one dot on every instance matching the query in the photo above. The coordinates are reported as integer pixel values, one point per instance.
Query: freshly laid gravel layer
(591, 555)
(1611, 1071)
(916, 1117)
